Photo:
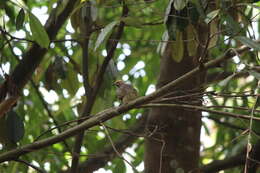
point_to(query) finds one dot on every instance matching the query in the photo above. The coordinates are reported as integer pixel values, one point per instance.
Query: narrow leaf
(249, 4)
(248, 42)
(192, 45)
(133, 21)
(38, 32)
(213, 29)
(168, 11)
(94, 11)
(178, 48)
(162, 45)
(211, 16)
(104, 33)
(20, 19)
(180, 4)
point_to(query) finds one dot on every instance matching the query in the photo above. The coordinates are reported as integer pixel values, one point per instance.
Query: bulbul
(125, 92)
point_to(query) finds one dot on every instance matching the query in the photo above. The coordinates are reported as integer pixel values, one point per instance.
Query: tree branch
(91, 96)
(86, 82)
(113, 112)
(30, 165)
(201, 108)
(32, 58)
(8, 102)
(108, 153)
(45, 105)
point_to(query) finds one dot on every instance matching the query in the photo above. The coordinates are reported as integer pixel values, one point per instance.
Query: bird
(125, 92)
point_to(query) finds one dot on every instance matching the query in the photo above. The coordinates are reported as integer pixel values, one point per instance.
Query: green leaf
(248, 42)
(210, 16)
(180, 4)
(233, 26)
(20, 19)
(255, 74)
(120, 166)
(178, 48)
(199, 7)
(39, 34)
(94, 11)
(249, 4)
(192, 44)
(104, 33)
(168, 11)
(162, 45)
(213, 29)
(71, 82)
(133, 21)
(14, 127)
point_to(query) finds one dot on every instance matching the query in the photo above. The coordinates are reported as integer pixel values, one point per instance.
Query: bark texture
(176, 132)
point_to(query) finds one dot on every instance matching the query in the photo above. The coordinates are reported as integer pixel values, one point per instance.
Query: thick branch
(32, 58)
(98, 81)
(112, 112)
(108, 154)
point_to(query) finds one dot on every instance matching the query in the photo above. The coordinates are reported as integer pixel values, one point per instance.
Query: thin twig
(201, 108)
(249, 137)
(45, 105)
(112, 144)
(98, 81)
(37, 92)
(61, 125)
(161, 156)
(30, 165)
(113, 112)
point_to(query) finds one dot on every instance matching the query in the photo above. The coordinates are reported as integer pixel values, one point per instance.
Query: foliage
(55, 93)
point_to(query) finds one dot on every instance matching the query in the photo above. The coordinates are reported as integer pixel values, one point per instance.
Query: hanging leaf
(94, 10)
(104, 33)
(71, 83)
(180, 4)
(120, 166)
(192, 43)
(248, 42)
(199, 6)
(14, 127)
(211, 16)
(194, 15)
(162, 45)
(213, 31)
(233, 26)
(9, 11)
(250, 5)
(178, 48)
(38, 32)
(168, 11)
(20, 19)
(182, 19)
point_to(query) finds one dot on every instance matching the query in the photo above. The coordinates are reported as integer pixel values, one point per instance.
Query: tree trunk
(175, 141)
